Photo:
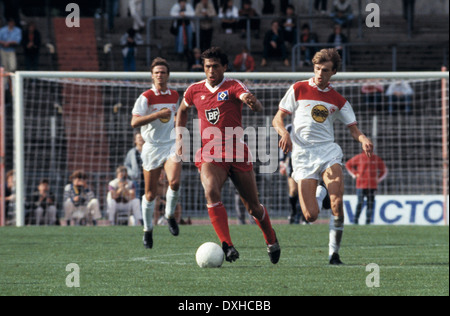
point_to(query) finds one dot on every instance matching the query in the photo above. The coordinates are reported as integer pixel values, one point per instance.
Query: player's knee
(174, 185)
(310, 218)
(212, 195)
(150, 196)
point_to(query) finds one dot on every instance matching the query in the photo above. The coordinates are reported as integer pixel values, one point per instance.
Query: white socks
(171, 202)
(147, 213)
(321, 193)
(336, 231)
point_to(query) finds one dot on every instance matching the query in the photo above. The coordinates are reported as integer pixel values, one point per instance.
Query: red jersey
(218, 108)
(368, 171)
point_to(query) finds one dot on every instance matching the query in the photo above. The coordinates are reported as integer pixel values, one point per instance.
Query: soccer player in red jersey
(219, 103)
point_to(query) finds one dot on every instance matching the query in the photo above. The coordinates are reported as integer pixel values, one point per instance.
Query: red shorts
(242, 164)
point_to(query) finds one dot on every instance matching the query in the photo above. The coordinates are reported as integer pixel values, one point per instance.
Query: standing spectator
(129, 41)
(122, 196)
(408, 12)
(182, 11)
(205, 9)
(274, 44)
(337, 38)
(10, 195)
(249, 12)
(31, 43)
(342, 12)
(368, 171)
(135, 7)
(112, 8)
(321, 5)
(310, 38)
(133, 163)
(229, 15)
(400, 92)
(80, 204)
(10, 38)
(244, 61)
(43, 203)
(289, 24)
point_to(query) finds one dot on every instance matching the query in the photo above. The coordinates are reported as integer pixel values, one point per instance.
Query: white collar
(158, 92)
(210, 88)
(313, 84)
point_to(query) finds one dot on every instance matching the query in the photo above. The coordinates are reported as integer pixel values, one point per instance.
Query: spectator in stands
(337, 38)
(408, 12)
(182, 11)
(31, 43)
(244, 62)
(274, 44)
(289, 23)
(133, 163)
(80, 204)
(306, 36)
(249, 12)
(112, 8)
(43, 204)
(368, 173)
(195, 63)
(135, 7)
(400, 93)
(342, 12)
(229, 14)
(10, 195)
(321, 5)
(10, 38)
(372, 90)
(129, 42)
(205, 9)
(122, 197)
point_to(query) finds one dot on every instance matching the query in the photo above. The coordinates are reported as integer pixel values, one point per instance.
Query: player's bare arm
(366, 143)
(285, 142)
(181, 121)
(138, 121)
(253, 103)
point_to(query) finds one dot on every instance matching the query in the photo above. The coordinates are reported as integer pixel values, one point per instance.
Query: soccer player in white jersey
(154, 113)
(314, 106)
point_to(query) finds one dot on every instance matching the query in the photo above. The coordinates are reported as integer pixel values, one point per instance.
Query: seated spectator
(249, 12)
(122, 196)
(289, 24)
(342, 12)
(133, 163)
(80, 204)
(195, 63)
(400, 94)
(307, 52)
(205, 9)
(229, 15)
(129, 42)
(43, 204)
(337, 38)
(183, 26)
(244, 62)
(274, 44)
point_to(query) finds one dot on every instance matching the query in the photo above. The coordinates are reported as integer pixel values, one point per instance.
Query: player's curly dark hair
(215, 53)
(158, 61)
(328, 54)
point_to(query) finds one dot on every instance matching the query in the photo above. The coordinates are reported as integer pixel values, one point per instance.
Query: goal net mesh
(85, 124)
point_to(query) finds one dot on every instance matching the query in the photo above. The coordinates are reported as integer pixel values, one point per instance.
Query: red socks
(266, 227)
(219, 219)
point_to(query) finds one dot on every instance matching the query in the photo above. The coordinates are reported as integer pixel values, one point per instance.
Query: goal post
(410, 142)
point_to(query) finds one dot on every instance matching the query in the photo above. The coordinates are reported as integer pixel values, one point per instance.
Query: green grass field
(112, 261)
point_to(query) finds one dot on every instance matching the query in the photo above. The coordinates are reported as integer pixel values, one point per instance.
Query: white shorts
(311, 162)
(154, 157)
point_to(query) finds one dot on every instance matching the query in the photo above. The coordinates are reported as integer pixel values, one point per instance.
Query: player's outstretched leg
(273, 247)
(219, 219)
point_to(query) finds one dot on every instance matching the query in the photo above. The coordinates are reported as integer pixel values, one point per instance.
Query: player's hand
(251, 101)
(283, 168)
(285, 143)
(165, 114)
(367, 147)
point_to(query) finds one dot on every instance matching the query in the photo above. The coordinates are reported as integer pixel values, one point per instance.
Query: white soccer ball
(209, 255)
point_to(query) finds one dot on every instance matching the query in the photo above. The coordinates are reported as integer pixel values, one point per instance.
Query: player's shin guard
(266, 227)
(171, 202)
(336, 231)
(219, 220)
(147, 213)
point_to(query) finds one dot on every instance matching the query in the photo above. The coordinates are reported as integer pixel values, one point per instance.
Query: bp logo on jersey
(319, 113)
(212, 115)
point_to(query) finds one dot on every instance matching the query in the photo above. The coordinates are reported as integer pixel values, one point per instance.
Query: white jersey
(314, 111)
(157, 132)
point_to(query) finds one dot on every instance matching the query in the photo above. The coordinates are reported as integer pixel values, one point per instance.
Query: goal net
(69, 121)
